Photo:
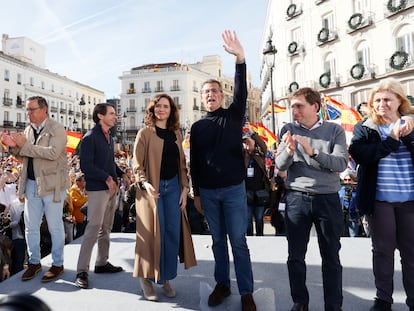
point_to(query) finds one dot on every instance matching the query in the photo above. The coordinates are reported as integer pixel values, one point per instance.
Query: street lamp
(124, 116)
(269, 53)
(82, 103)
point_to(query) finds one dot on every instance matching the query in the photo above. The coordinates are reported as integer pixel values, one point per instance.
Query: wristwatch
(315, 153)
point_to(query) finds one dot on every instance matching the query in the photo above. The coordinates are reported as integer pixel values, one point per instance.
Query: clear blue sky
(94, 41)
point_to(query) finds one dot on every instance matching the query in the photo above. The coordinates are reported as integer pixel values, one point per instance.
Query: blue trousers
(226, 213)
(324, 211)
(169, 217)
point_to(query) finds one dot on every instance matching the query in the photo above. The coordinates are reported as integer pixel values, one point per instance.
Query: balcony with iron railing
(20, 124)
(62, 110)
(159, 89)
(131, 109)
(53, 109)
(175, 88)
(7, 123)
(146, 90)
(7, 101)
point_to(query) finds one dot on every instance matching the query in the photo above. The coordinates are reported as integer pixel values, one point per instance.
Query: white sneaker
(148, 289)
(168, 290)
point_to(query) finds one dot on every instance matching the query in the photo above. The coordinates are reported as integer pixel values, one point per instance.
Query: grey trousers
(101, 212)
(391, 228)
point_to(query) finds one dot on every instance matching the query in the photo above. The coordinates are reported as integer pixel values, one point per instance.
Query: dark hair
(101, 108)
(312, 96)
(212, 81)
(173, 121)
(41, 101)
(23, 302)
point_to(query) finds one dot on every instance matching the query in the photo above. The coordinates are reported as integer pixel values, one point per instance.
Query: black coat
(367, 149)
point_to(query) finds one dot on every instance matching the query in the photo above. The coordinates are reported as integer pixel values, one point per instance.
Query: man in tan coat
(43, 181)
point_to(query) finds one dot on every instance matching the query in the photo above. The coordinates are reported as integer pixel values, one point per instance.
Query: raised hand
(232, 45)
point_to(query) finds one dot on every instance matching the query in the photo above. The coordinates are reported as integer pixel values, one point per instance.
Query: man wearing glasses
(43, 182)
(218, 173)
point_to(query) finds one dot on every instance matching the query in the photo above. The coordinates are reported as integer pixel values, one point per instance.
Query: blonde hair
(394, 86)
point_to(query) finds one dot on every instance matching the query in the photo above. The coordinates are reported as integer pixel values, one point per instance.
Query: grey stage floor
(122, 292)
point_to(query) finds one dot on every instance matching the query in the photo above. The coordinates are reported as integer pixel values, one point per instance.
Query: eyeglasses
(214, 91)
(30, 110)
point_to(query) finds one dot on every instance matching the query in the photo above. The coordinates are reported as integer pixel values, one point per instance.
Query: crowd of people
(49, 197)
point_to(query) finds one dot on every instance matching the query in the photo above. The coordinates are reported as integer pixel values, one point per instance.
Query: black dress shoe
(108, 268)
(82, 280)
(299, 307)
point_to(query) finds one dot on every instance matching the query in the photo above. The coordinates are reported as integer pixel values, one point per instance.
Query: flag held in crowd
(73, 141)
(276, 108)
(349, 116)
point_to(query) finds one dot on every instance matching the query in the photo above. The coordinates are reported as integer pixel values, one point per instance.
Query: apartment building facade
(23, 74)
(183, 83)
(341, 48)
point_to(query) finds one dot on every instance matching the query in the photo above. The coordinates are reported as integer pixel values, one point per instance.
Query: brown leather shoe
(82, 280)
(248, 302)
(52, 274)
(31, 271)
(218, 295)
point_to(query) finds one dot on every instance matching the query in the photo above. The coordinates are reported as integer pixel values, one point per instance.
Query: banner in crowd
(74, 139)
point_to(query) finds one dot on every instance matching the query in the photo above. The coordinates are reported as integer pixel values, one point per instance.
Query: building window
(42, 85)
(6, 75)
(31, 81)
(176, 100)
(159, 87)
(19, 79)
(175, 86)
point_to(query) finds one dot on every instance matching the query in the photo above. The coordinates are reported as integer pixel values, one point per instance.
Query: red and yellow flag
(349, 118)
(74, 139)
(276, 108)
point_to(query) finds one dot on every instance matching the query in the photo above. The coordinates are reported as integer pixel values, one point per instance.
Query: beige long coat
(147, 166)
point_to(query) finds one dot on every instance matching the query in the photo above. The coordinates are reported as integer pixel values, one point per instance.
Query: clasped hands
(290, 142)
(402, 127)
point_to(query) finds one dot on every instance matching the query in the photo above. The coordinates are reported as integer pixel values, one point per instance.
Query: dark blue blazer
(97, 160)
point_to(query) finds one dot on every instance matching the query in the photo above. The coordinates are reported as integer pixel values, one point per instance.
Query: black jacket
(367, 149)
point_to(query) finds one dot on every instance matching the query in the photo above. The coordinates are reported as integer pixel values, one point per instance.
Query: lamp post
(124, 117)
(75, 125)
(269, 53)
(82, 103)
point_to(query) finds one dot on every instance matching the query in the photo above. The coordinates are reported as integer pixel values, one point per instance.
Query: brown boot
(52, 274)
(31, 271)
(248, 303)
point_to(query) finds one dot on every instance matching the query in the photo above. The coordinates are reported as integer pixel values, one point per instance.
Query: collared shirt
(39, 128)
(316, 125)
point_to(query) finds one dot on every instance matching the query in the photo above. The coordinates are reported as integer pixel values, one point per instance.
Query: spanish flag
(267, 135)
(276, 108)
(349, 116)
(74, 139)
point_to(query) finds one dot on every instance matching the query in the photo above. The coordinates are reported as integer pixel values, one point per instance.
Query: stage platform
(122, 292)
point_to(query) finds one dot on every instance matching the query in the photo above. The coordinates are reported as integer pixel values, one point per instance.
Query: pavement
(120, 291)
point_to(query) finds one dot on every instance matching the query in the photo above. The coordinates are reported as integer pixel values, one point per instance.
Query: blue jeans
(324, 210)
(258, 213)
(226, 213)
(34, 208)
(169, 217)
